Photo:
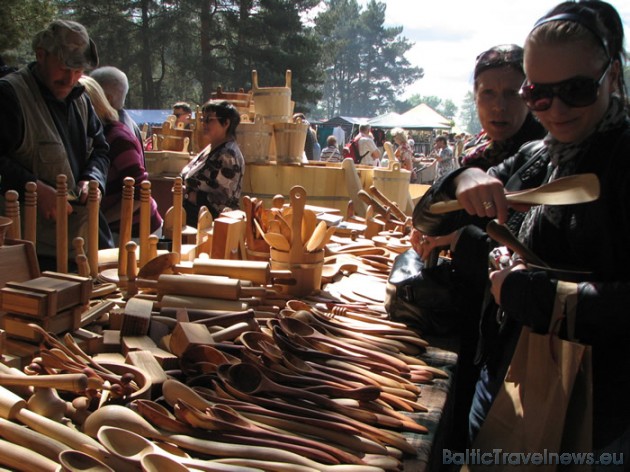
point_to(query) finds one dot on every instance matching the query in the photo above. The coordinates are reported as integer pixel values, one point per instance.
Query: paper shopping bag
(529, 414)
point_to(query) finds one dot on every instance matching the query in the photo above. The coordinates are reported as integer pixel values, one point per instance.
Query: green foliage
(342, 57)
(468, 116)
(19, 21)
(364, 64)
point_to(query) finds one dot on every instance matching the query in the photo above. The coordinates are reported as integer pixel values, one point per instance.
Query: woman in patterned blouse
(214, 178)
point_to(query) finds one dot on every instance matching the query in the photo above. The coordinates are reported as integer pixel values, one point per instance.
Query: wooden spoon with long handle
(502, 235)
(570, 190)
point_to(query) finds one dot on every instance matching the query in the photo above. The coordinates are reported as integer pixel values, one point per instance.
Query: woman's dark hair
(503, 55)
(224, 111)
(586, 19)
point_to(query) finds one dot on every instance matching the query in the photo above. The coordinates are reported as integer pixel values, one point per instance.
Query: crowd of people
(553, 108)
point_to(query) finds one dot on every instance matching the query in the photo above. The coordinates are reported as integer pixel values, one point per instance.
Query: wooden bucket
(241, 100)
(273, 103)
(325, 184)
(289, 139)
(393, 183)
(307, 274)
(254, 140)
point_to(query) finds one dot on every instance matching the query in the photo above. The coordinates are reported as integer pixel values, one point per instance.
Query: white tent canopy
(419, 117)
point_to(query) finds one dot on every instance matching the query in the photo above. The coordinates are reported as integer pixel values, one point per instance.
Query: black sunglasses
(499, 56)
(576, 92)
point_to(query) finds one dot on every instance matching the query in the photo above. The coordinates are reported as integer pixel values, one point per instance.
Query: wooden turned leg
(153, 244)
(12, 211)
(30, 212)
(126, 218)
(62, 224)
(132, 268)
(92, 242)
(145, 221)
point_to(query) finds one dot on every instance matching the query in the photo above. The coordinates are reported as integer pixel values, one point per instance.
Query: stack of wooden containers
(54, 301)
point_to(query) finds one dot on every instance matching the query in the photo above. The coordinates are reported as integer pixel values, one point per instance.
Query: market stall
(285, 364)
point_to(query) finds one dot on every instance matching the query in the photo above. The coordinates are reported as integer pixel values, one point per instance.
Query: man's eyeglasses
(576, 92)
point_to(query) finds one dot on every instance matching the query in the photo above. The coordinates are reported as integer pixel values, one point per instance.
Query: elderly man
(115, 84)
(49, 128)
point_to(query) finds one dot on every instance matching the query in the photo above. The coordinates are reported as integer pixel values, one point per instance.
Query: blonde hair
(105, 112)
(399, 133)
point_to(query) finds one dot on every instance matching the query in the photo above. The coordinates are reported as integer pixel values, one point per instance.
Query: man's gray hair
(115, 84)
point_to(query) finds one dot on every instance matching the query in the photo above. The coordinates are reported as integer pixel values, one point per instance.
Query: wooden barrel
(273, 103)
(289, 139)
(254, 140)
(393, 182)
(241, 100)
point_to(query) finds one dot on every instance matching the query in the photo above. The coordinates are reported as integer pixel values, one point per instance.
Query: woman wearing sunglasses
(214, 178)
(573, 62)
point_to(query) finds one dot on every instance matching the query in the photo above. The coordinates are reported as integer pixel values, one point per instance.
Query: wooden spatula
(580, 188)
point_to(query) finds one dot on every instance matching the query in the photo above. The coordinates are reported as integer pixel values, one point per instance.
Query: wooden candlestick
(126, 216)
(62, 224)
(92, 242)
(178, 201)
(30, 212)
(12, 210)
(145, 221)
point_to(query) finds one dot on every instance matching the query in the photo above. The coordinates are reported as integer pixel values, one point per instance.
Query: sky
(449, 34)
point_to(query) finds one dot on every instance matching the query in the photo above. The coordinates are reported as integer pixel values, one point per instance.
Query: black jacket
(593, 237)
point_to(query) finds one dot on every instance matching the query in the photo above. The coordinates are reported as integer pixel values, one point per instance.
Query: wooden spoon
(162, 264)
(133, 447)
(227, 421)
(77, 461)
(124, 418)
(570, 190)
(317, 237)
(275, 240)
(503, 235)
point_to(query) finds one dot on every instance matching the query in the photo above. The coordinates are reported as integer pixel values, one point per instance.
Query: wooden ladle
(570, 190)
(133, 447)
(124, 418)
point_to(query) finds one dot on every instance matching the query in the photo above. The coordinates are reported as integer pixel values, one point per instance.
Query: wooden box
(46, 295)
(18, 327)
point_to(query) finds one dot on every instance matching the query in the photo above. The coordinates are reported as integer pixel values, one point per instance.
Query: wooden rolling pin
(201, 286)
(13, 408)
(67, 382)
(259, 272)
